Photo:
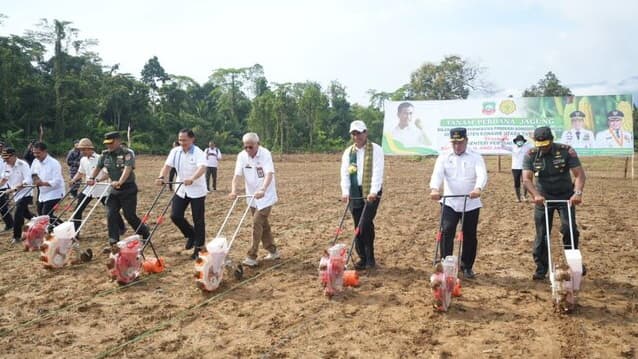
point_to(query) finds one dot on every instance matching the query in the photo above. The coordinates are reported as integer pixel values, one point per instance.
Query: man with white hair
(255, 164)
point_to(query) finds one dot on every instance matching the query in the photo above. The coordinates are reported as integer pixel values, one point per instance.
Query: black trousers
(124, 199)
(211, 172)
(540, 243)
(196, 231)
(46, 208)
(22, 212)
(450, 220)
(171, 178)
(364, 241)
(4, 211)
(81, 206)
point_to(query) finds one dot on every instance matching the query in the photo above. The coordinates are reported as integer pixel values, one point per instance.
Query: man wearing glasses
(614, 136)
(255, 164)
(361, 185)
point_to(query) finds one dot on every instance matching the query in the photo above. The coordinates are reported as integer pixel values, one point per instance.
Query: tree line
(73, 94)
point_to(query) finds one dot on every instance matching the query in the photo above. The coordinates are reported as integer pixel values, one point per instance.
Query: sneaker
(250, 262)
(272, 256)
(16, 240)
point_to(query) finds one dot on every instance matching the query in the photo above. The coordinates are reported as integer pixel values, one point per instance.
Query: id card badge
(260, 172)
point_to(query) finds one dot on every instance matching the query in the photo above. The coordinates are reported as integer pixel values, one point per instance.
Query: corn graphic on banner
(594, 125)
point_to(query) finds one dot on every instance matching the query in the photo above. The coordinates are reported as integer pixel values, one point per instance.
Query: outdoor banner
(594, 125)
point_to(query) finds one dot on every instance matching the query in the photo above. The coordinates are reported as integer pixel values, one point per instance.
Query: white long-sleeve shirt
(376, 182)
(518, 153)
(459, 174)
(17, 175)
(49, 171)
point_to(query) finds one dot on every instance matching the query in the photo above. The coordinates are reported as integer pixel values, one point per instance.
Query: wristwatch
(578, 193)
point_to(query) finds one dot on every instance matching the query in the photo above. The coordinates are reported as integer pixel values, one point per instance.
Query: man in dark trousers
(461, 171)
(550, 165)
(119, 164)
(190, 163)
(361, 184)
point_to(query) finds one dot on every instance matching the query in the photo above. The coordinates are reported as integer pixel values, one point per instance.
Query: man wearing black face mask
(518, 150)
(551, 164)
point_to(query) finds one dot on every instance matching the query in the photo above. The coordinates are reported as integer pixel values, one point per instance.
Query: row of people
(460, 171)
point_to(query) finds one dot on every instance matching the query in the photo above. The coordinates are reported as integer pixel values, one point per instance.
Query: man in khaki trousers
(255, 164)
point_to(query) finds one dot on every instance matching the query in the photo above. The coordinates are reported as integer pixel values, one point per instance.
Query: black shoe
(584, 270)
(8, 228)
(86, 256)
(468, 273)
(195, 254)
(122, 231)
(360, 265)
(538, 276)
(190, 242)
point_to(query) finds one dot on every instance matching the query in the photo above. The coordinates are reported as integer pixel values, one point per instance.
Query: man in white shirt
(361, 185)
(213, 156)
(614, 136)
(47, 175)
(189, 162)
(17, 175)
(408, 131)
(578, 136)
(4, 196)
(255, 164)
(461, 172)
(518, 150)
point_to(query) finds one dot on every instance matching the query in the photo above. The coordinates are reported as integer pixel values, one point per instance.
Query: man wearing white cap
(361, 185)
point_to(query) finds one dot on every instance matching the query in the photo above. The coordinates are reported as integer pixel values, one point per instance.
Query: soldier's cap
(519, 137)
(85, 143)
(543, 136)
(358, 126)
(458, 134)
(8, 152)
(109, 137)
(577, 115)
(615, 115)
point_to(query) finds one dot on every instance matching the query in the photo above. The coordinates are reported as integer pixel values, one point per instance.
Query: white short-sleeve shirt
(254, 170)
(186, 164)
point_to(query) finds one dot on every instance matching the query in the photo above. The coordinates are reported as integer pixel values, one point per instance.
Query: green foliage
(549, 86)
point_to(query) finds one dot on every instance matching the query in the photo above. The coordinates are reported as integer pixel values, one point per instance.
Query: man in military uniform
(551, 163)
(119, 164)
(614, 136)
(578, 136)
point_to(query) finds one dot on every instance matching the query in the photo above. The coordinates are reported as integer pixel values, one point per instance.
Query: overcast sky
(363, 44)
